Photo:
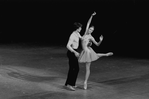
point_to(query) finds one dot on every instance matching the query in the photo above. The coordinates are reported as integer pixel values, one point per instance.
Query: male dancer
(73, 55)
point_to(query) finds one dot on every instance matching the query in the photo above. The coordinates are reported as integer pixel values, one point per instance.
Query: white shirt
(74, 40)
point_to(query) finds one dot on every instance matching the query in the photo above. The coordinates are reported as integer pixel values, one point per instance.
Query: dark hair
(77, 25)
(92, 26)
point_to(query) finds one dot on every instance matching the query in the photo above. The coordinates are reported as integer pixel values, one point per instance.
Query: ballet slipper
(75, 86)
(109, 54)
(70, 88)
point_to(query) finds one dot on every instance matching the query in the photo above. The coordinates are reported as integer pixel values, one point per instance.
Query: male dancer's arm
(69, 47)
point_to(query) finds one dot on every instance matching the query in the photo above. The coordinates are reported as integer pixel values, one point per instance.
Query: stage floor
(40, 73)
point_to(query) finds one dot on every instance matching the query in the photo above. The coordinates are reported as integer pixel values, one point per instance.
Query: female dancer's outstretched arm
(97, 43)
(89, 22)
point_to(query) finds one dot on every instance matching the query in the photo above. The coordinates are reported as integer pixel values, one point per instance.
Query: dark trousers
(73, 69)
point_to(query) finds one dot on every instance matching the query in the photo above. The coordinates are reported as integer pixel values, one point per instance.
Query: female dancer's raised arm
(89, 22)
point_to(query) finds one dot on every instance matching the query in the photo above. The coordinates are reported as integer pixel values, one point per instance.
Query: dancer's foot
(70, 88)
(109, 54)
(85, 85)
(75, 86)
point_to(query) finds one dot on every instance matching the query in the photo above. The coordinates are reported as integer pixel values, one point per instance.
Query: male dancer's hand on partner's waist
(76, 54)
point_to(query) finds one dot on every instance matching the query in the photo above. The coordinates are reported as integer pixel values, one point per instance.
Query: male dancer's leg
(73, 69)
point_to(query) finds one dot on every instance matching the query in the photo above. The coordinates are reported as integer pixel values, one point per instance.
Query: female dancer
(88, 55)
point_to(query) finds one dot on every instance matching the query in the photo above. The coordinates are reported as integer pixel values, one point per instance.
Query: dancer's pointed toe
(110, 54)
(85, 86)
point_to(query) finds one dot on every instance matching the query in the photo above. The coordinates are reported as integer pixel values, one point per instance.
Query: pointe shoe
(85, 86)
(109, 54)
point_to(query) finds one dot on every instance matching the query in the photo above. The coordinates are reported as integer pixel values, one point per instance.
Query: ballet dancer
(73, 55)
(88, 55)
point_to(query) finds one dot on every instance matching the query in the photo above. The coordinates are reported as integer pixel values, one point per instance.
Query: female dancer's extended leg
(88, 68)
(107, 54)
(87, 74)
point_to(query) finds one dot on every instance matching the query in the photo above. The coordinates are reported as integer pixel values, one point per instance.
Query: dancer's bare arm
(97, 43)
(89, 22)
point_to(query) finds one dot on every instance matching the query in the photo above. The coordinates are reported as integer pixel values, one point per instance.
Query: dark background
(123, 23)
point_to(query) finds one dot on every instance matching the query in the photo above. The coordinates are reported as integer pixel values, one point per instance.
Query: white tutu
(88, 55)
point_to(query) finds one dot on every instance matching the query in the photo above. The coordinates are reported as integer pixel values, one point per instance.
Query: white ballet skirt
(88, 54)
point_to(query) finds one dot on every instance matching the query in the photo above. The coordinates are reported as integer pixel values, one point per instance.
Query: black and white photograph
(74, 49)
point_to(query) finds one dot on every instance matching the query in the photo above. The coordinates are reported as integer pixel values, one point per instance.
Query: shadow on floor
(139, 78)
(44, 95)
(32, 78)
